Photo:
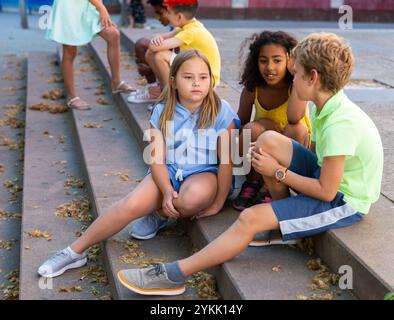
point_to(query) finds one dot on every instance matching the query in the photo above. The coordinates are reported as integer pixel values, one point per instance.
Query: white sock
(73, 254)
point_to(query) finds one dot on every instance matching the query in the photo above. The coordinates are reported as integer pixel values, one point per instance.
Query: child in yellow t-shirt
(267, 81)
(190, 34)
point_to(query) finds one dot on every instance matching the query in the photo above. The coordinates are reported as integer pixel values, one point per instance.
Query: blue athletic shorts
(302, 216)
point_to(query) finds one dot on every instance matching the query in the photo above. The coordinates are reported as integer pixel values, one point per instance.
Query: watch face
(280, 175)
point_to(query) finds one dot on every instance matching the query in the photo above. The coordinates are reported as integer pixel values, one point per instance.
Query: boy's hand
(263, 163)
(168, 205)
(157, 40)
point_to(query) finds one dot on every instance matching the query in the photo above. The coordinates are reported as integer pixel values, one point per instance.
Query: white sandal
(78, 104)
(123, 87)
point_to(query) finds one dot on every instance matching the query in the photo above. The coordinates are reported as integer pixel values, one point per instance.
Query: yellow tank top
(279, 114)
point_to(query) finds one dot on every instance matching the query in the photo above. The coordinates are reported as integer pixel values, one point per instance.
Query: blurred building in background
(326, 10)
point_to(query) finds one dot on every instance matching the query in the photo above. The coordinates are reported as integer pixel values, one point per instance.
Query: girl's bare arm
(296, 108)
(246, 102)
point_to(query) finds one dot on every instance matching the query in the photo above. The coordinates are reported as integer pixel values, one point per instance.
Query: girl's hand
(211, 211)
(168, 205)
(157, 40)
(263, 163)
(105, 19)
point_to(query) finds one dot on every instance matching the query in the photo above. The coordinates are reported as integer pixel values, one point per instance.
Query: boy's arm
(246, 102)
(225, 174)
(167, 44)
(326, 187)
(296, 108)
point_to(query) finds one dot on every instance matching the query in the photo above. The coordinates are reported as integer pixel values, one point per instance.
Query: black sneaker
(246, 197)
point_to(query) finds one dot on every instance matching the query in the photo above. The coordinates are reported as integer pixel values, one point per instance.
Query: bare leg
(297, 132)
(197, 193)
(233, 241)
(143, 200)
(69, 54)
(256, 129)
(112, 37)
(159, 62)
(141, 46)
(281, 148)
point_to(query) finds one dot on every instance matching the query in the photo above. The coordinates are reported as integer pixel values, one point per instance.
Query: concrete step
(113, 167)
(12, 116)
(236, 279)
(51, 159)
(369, 257)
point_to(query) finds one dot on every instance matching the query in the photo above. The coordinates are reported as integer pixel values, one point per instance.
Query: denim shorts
(302, 216)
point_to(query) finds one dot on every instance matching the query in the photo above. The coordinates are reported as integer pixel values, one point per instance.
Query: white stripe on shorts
(317, 221)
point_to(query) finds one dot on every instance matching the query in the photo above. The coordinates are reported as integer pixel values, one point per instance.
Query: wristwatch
(280, 174)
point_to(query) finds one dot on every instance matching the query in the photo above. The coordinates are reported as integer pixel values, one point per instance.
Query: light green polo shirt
(342, 128)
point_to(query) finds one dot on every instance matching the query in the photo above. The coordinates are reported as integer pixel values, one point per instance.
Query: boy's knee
(141, 46)
(248, 219)
(268, 140)
(149, 54)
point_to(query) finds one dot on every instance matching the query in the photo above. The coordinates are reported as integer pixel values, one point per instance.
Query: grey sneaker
(269, 238)
(150, 281)
(59, 263)
(148, 226)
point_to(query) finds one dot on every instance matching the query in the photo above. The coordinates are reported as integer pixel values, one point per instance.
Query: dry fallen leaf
(40, 234)
(92, 125)
(55, 79)
(205, 284)
(11, 292)
(59, 162)
(52, 108)
(7, 245)
(9, 215)
(74, 183)
(71, 289)
(54, 94)
(13, 78)
(277, 268)
(76, 209)
(103, 101)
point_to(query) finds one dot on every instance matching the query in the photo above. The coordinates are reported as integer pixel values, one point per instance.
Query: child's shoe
(61, 262)
(246, 196)
(148, 94)
(147, 227)
(150, 281)
(269, 238)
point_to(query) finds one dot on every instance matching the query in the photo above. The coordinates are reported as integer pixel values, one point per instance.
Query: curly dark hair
(251, 76)
(154, 3)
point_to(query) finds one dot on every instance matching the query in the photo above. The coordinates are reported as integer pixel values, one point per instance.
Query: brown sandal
(123, 87)
(78, 104)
